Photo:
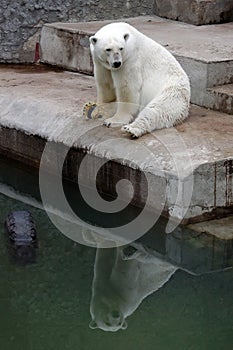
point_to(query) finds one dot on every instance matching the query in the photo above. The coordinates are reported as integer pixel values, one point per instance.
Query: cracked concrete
(47, 104)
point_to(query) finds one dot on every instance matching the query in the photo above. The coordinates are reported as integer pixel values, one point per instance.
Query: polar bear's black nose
(116, 64)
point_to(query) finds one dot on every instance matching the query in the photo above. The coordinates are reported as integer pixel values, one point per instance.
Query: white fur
(143, 78)
(120, 284)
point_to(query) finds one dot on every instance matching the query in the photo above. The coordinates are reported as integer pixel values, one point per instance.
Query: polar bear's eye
(108, 50)
(121, 49)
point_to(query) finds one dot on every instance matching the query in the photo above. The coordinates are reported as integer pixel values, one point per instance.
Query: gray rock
(21, 231)
(21, 20)
(196, 11)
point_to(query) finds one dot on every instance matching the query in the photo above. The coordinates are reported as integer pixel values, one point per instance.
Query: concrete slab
(199, 248)
(47, 104)
(210, 43)
(220, 228)
(195, 11)
(204, 52)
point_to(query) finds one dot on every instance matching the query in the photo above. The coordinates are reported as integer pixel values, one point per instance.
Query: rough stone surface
(221, 228)
(199, 248)
(195, 11)
(21, 20)
(220, 98)
(66, 48)
(204, 52)
(210, 43)
(48, 105)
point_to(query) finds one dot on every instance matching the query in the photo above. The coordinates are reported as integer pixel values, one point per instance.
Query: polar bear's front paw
(134, 132)
(118, 120)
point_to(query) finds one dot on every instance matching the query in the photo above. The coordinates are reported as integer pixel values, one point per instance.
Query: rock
(21, 231)
(196, 12)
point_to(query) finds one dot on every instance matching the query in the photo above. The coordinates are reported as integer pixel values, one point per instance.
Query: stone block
(196, 12)
(207, 62)
(66, 48)
(47, 107)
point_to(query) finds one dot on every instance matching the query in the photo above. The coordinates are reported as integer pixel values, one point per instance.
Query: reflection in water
(38, 299)
(122, 279)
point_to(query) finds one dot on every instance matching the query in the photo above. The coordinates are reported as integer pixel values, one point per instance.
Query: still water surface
(46, 305)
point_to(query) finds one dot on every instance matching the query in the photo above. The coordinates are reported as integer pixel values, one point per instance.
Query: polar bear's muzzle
(116, 64)
(115, 60)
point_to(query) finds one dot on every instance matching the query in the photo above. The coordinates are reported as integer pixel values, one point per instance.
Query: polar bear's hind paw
(88, 109)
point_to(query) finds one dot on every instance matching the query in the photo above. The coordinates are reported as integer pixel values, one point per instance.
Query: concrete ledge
(75, 57)
(207, 62)
(204, 205)
(181, 39)
(221, 229)
(39, 105)
(197, 248)
(220, 98)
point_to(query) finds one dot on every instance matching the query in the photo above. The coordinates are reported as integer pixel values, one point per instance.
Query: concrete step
(187, 169)
(205, 52)
(196, 12)
(220, 98)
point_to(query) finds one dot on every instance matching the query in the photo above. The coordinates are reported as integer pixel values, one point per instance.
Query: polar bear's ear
(126, 36)
(124, 325)
(93, 40)
(93, 324)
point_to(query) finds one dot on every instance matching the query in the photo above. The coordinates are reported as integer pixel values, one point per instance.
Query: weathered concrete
(21, 21)
(221, 228)
(66, 48)
(202, 247)
(220, 98)
(48, 105)
(195, 11)
(207, 62)
(198, 248)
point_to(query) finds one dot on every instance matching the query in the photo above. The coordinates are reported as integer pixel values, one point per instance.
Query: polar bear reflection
(121, 281)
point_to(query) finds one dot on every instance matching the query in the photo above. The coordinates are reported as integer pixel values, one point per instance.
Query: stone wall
(196, 12)
(21, 20)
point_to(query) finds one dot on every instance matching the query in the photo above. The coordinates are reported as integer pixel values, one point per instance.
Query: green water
(46, 305)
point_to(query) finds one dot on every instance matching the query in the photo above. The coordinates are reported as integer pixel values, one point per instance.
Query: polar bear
(150, 88)
(123, 277)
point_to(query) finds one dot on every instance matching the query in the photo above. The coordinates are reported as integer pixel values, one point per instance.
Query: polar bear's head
(107, 315)
(112, 322)
(109, 45)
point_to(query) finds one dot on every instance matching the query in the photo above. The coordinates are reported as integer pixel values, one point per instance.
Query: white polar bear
(123, 277)
(145, 80)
